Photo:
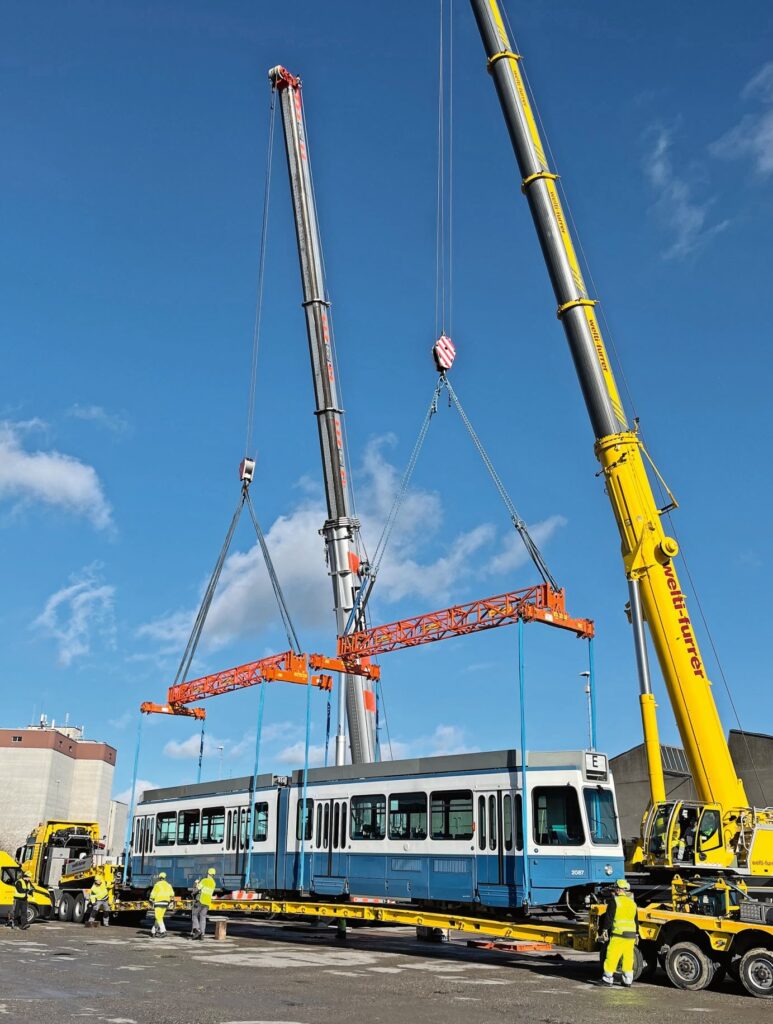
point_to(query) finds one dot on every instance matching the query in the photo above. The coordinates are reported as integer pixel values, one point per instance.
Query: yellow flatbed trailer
(694, 949)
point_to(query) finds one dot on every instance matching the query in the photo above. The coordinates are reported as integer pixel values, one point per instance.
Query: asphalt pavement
(270, 973)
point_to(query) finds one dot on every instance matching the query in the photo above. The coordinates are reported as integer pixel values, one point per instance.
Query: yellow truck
(39, 904)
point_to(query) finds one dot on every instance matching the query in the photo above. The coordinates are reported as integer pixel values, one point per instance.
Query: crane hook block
(444, 353)
(246, 470)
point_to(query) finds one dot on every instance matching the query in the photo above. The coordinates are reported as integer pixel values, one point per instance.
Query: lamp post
(589, 698)
(221, 748)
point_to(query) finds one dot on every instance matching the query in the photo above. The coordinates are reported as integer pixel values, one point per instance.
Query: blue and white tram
(441, 830)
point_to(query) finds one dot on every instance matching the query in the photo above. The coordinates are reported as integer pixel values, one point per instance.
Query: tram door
(236, 840)
(330, 841)
(490, 844)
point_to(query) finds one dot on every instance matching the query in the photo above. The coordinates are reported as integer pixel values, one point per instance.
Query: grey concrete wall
(753, 757)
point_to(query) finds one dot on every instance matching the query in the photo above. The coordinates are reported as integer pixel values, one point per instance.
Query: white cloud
(293, 755)
(685, 217)
(446, 739)
(123, 720)
(188, 749)
(244, 603)
(97, 414)
(77, 614)
(57, 480)
(752, 137)
(140, 787)
(513, 553)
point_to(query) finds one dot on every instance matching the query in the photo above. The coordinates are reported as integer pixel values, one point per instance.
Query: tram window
(306, 819)
(260, 827)
(166, 823)
(244, 814)
(368, 817)
(343, 825)
(451, 814)
(557, 819)
(326, 828)
(602, 817)
(507, 821)
(482, 822)
(149, 833)
(492, 822)
(188, 828)
(212, 824)
(229, 830)
(408, 816)
(336, 824)
(318, 839)
(139, 831)
(508, 804)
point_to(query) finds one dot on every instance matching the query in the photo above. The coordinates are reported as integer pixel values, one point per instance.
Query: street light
(221, 748)
(589, 698)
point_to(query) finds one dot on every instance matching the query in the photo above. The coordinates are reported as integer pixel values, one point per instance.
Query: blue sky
(132, 182)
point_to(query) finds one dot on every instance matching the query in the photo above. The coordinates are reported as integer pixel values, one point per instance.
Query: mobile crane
(357, 699)
(719, 831)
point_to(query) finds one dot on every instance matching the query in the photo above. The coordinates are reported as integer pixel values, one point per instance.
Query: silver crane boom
(341, 531)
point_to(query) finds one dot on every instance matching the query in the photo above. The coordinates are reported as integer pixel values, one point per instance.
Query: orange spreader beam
(533, 604)
(287, 668)
(149, 708)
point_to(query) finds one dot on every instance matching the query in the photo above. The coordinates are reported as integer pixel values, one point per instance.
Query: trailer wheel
(78, 909)
(688, 967)
(756, 972)
(65, 908)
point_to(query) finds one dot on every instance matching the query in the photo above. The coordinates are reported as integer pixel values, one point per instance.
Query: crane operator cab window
(658, 828)
(709, 834)
(683, 834)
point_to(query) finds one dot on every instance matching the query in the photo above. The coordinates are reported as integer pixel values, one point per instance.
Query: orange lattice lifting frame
(539, 603)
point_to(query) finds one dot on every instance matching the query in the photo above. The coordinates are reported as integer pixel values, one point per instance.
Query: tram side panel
(445, 837)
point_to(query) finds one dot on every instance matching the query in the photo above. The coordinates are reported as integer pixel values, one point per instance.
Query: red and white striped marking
(444, 353)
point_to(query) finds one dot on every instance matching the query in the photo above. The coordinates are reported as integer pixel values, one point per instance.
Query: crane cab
(683, 833)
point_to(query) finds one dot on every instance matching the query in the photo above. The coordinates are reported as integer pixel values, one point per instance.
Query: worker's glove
(604, 936)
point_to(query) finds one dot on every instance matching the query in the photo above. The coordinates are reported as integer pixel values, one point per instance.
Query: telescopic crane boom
(725, 831)
(341, 530)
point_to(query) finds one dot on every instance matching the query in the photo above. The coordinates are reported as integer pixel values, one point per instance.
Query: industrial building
(52, 771)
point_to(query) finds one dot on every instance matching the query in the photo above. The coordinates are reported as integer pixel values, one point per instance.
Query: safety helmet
(211, 871)
(162, 874)
(621, 883)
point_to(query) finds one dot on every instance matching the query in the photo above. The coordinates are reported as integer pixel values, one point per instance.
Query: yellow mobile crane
(719, 831)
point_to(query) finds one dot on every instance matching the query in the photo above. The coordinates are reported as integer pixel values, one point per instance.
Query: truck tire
(65, 908)
(79, 908)
(647, 956)
(32, 913)
(756, 971)
(688, 967)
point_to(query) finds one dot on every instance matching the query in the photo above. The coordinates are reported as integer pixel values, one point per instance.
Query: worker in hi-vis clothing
(203, 888)
(161, 895)
(620, 926)
(22, 890)
(99, 903)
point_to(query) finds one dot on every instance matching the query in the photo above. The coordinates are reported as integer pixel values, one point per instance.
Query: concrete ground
(269, 973)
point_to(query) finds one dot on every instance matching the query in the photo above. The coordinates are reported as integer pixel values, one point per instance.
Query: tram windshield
(602, 817)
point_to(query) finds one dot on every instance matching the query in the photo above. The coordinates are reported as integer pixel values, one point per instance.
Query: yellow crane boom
(648, 552)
